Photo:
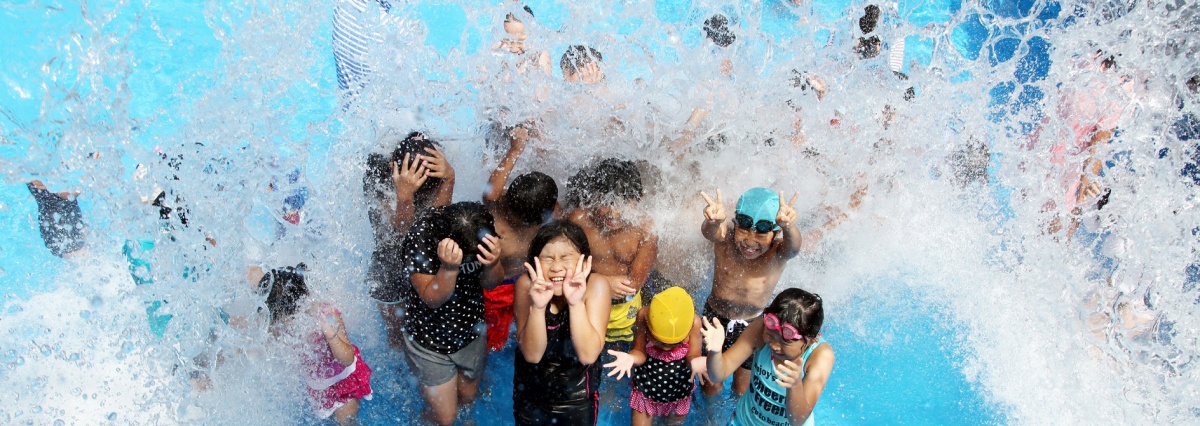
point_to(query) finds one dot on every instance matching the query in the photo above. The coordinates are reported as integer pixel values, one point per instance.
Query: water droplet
(127, 347)
(112, 417)
(36, 409)
(97, 301)
(76, 391)
(46, 351)
(85, 314)
(59, 422)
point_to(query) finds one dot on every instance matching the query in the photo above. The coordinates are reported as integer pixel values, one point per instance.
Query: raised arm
(435, 290)
(407, 176)
(837, 216)
(714, 228)
(439, 167)
(786, 219)
(517, 140)
(529, 309)
(643, 261)
(335, 335)
(589, 324)
(722, 364)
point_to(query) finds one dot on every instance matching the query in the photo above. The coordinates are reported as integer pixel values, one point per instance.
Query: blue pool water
(128, 79)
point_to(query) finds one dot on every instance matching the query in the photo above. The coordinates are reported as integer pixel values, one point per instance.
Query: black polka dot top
(457, 322)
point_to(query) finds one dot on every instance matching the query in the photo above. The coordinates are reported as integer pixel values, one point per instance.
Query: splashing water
(964, 121)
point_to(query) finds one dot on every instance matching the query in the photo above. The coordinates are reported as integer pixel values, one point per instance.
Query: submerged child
(561, 312)
(338, 377)
(791, 365)
(665, 359)
(528, 202)
(448, 260)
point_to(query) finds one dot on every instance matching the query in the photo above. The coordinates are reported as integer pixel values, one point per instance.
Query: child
(625, 250)
(561, 312)
(791, 365)
(448, 260)
(59, 219)
(581, 64)
(750, 259)
(338, 377)
(665, 365)
(400, 187)
(530, 201)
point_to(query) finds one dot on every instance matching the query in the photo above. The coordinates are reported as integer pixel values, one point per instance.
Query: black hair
(716, 28)
(800, 309)
(378, 176)
(868, 48)
(605, 181)
(466, 223)
(284, 287)
(531, 198)
(552, 230)
(578, 56)
(870, 17)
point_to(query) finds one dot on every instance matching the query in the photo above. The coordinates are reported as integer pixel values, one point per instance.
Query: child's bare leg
(675, 420)
(640, 419)
(441, 403)
(713, 388)
(468, 389)
(741, 381)
(391, 325)
(347, 415)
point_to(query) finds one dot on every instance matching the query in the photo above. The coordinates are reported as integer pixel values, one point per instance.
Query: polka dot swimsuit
(459, 321)
(666, 375)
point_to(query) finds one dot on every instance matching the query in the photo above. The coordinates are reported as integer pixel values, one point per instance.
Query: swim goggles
(746, 222)
(788, 331)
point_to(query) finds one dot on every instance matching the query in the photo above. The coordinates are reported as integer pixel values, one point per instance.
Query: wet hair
(531, 198)
(284, 288)
(868, 48)
(605, 181)
(1193, 83)
(378, 177)
(578, 56)
(870, 17)
(716, 28)
(799, 308)
(552, 230)
(466, 223)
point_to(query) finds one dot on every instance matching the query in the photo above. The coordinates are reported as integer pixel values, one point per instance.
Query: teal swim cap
(759, 204)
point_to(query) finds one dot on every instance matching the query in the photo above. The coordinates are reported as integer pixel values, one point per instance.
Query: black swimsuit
(559, 389)
(59, 220)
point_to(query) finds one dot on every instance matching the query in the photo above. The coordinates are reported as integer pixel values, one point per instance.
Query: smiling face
(558, 257)
(515, 42)
(750, 244)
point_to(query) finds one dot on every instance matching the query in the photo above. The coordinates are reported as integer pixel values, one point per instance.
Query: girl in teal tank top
(791, 362)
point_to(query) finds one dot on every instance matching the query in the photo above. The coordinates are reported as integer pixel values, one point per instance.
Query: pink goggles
(788, 331)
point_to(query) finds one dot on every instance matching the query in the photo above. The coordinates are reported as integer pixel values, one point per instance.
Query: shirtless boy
(624, 250)
(750, 258)
(530, 201)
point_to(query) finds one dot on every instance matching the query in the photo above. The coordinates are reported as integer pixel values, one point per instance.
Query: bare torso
(613, 251)
(743, 287)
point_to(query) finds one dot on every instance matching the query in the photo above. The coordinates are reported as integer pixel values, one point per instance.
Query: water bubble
(85, 314)
(46, 351)
(76, 391)
(97, 301)
(37, 409)
(59, 422)
(112, 417)
(127, 347)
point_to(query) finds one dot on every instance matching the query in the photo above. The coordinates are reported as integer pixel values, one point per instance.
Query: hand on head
(409, 175)
(715, 210)
(491, 253)
(449, 253)
(437, 164)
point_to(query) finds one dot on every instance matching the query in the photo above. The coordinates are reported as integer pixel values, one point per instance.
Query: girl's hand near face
(575, 285)
(540, 289)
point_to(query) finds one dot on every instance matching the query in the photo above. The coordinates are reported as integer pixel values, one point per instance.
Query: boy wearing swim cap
(750, 258)
(665, 359)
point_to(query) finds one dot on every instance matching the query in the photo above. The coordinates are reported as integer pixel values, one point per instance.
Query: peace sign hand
(539, 287)
(715, 210)
(575, 285)
(787, 212)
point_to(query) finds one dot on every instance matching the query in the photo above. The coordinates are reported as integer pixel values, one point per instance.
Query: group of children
(451, 278)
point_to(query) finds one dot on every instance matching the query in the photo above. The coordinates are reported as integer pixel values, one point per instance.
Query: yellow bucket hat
(671, 315)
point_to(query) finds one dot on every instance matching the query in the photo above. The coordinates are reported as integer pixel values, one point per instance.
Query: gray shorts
(434, 369)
